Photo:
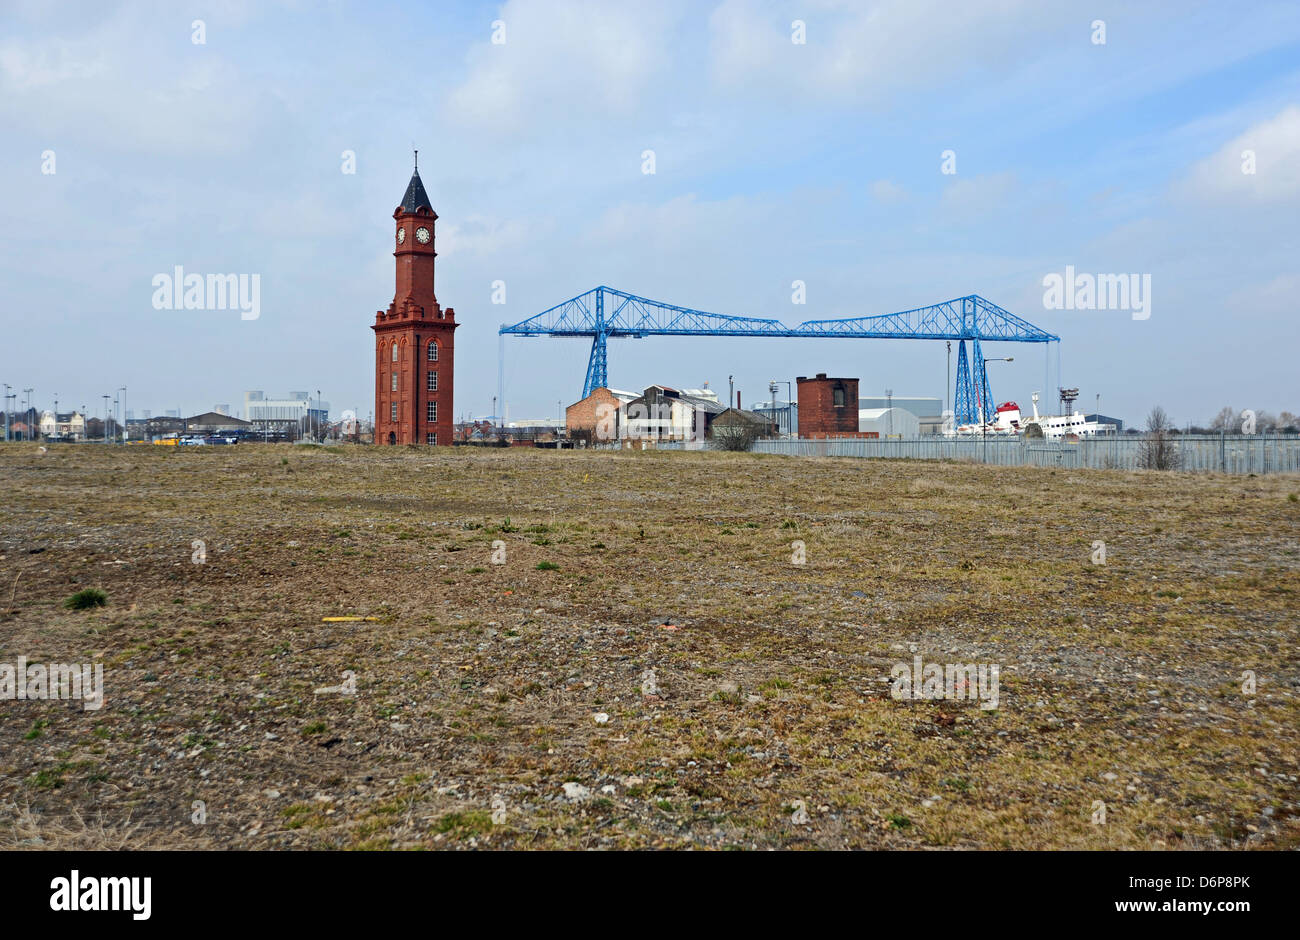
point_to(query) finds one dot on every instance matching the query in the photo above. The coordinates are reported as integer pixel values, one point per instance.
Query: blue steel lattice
(604, 312)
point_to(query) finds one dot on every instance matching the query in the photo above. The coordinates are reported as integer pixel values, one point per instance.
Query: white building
(299, 409)
(889, 422)
(70, 426)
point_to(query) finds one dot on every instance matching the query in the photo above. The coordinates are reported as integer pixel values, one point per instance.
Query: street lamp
(125, 433)
(984, 426)
(105, 397)
(27, 413)
(7, 387)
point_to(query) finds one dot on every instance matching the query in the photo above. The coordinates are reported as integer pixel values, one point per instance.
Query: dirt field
(748, 698)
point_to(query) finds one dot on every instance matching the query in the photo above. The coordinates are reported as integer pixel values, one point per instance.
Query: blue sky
(775, 162)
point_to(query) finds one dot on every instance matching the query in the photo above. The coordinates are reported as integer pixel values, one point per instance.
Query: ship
(1009, 421)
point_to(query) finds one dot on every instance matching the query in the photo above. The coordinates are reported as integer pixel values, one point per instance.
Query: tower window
(838, 395)
(433, 411)
(392, 413)
(394, 383)
(433, 350)
(394, 352)
(431, 382)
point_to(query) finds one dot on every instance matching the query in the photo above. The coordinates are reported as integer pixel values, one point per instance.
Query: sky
(904, 153)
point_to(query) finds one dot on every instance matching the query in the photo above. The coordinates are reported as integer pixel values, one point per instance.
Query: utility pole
(889, 404)
(105, 397)
(125, 434)
(27, 413)
(7, 387)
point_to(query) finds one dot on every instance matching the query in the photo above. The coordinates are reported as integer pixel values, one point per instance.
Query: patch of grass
(316, 727)
(466, 823)
(85, 599)
(547, 566)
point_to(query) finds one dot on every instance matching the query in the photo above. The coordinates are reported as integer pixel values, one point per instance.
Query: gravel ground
(642, 664)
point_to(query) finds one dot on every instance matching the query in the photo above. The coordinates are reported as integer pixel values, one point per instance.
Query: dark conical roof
(415, 195)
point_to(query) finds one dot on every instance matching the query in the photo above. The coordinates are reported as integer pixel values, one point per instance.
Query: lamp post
(772, 389)
(125, 433)
(7, 387)
(948, 384)
(105, 397)
(984, 428)
(27, 413)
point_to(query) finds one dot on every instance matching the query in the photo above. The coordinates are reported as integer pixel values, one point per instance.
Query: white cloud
(969, 198)
(888, 192)
(483, 237)
(1276, 296)
(866, 52)
(180, 98)
(1275, 144)
(563, 57)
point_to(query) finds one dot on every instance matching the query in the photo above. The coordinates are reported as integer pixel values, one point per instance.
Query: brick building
(828, 407)
(587, 420)
(413, 338)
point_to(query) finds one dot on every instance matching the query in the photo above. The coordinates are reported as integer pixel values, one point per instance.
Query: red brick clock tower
(414, 336)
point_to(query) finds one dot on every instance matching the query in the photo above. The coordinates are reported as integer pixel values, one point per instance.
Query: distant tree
(1158, 451)
(1226, 420)
(1265, 423)
(1286, 421)
(737, 436)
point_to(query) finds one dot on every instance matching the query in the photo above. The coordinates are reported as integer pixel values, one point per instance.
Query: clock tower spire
(414, 337)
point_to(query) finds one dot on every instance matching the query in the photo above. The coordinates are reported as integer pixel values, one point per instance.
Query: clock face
(422, 235)
(401, 235)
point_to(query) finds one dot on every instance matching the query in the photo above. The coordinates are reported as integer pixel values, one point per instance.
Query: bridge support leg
(964, 399)
(984, 397)
(597, 371)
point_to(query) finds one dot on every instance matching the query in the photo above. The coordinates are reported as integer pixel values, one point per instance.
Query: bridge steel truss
(603, 312)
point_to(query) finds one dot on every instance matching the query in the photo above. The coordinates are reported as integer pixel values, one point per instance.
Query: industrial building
(597, 416)
(290, 417)
(889, 423)
(928, 411)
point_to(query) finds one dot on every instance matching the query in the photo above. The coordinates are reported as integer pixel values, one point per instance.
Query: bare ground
(478, 686)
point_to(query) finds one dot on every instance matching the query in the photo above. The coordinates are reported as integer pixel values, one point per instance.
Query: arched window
(394, 352)
(433, 350)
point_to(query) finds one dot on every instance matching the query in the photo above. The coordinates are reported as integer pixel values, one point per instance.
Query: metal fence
(1198, 453)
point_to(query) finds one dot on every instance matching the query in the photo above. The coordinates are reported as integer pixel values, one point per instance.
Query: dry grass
(478, 682)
